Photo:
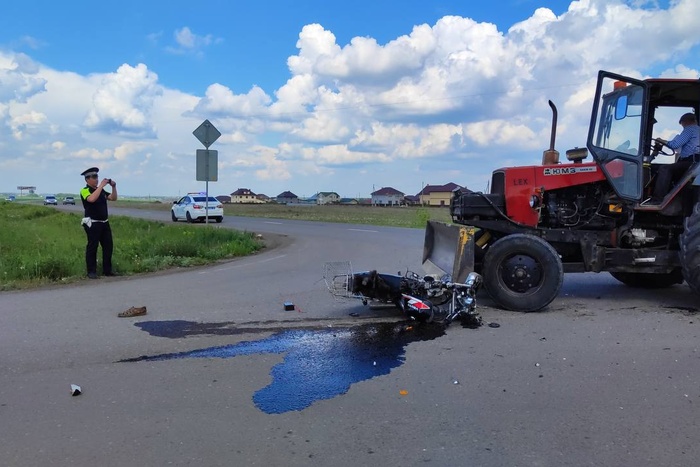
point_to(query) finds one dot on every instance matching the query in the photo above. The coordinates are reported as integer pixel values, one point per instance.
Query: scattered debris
(494, 325)
(403, 392)
(75, 390)
(455, 382)
(133, 311)
(471, 320)
(354, 315)
(288, 306)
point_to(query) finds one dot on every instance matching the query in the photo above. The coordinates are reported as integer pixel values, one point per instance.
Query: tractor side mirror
(621, 108)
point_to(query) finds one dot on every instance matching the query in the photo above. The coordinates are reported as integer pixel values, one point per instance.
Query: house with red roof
(387, 196)
(438, 195)
(244, 196)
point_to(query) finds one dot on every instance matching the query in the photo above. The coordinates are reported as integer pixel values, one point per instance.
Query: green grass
(42, 245)
(412, 217)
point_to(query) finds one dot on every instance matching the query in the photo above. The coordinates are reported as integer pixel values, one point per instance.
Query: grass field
(42, 245)
(410, 216)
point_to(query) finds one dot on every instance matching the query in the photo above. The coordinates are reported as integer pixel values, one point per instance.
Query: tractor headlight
(534, 201)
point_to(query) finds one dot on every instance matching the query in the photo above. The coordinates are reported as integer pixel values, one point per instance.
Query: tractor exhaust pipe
(551, 155)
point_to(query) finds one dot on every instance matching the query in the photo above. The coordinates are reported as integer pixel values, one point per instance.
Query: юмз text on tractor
(539, 222)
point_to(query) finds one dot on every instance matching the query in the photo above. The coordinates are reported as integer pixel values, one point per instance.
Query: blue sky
(310, 95)
(250, 41)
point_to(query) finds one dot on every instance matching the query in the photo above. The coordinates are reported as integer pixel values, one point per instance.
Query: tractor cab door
(617, 132)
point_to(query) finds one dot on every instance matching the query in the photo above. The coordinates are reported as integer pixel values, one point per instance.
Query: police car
(195, 207)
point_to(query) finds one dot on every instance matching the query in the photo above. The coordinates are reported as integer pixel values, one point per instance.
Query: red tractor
(539, 222)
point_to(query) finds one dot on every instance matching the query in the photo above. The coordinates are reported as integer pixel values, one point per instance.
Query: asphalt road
(606, 376)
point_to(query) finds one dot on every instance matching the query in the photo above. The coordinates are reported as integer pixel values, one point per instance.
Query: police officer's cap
(90, 171)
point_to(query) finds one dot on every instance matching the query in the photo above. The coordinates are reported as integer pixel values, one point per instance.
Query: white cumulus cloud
(123, 102)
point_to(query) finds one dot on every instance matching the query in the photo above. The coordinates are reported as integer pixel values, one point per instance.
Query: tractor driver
(687, 144)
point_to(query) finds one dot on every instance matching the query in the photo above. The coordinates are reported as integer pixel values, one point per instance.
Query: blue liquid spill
(319, 363)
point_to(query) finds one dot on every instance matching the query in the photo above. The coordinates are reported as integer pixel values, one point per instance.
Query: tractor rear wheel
(690, 250)
(522, 272)
(649, 280)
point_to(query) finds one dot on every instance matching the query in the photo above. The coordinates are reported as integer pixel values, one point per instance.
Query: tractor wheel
(649, 280)
(522, 272)
(690, 250)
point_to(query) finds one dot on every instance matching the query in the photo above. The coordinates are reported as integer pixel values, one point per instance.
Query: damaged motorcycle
(447, 291)
(425, 299)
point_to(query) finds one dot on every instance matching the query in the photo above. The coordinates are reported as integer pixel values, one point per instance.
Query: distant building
(287, 197)
(348, 201)
(438, 195)
(263, 198)
(387, 196)
(224, 199)
(244, 196)
(325, 197)
(411, 200)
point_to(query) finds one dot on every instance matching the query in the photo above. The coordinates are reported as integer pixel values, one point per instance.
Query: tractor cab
(627, 115)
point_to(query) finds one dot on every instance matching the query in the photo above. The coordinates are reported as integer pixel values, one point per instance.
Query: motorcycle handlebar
(457, 285)
(473, 282)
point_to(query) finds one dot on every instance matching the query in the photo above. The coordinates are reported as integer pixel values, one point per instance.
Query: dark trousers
(99, 233)
(666, 174)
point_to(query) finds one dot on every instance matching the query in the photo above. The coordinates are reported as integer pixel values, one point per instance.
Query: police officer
(96, 221)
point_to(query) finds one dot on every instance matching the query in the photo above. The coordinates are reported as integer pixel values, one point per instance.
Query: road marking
(364, 230)
(242, 264)
(270, 222)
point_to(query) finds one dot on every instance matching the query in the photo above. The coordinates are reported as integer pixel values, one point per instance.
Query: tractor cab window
(620, 119)
(615, 136)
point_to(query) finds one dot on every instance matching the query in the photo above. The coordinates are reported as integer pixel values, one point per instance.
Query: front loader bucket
(448, 249)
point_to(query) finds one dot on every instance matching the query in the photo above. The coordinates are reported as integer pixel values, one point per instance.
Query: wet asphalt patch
(318, 364)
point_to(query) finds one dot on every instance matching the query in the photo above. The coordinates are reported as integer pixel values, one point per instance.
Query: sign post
(207, 161)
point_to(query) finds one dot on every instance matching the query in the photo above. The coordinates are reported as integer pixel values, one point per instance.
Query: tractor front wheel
(690, 250)
(522, 272)
(649, 280)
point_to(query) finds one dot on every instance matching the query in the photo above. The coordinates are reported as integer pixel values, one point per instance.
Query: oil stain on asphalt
(318, 364)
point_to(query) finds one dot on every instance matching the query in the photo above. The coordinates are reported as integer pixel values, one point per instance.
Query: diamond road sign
(206, 133)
